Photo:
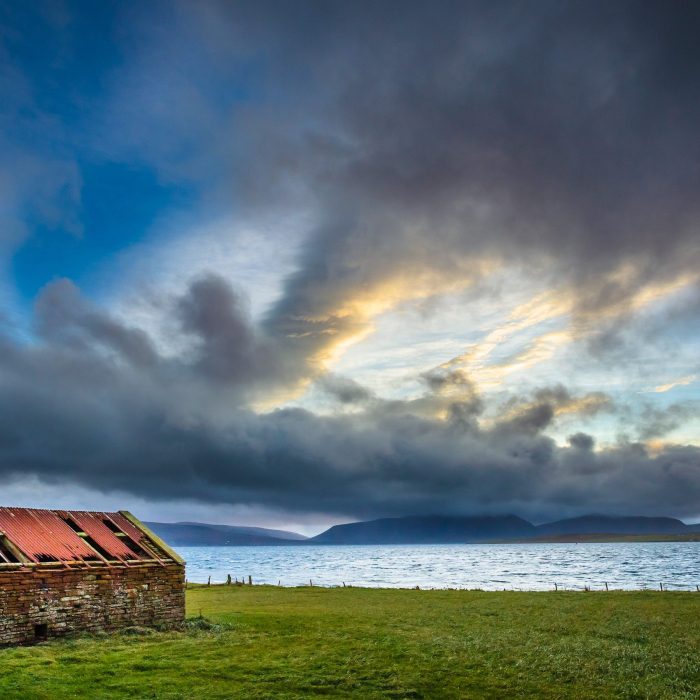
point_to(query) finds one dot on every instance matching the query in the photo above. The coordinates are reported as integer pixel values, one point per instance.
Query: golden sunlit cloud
(683, 381)
(354, 316)
(558, 305)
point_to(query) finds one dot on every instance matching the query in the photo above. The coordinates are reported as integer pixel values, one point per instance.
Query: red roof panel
(42, 535)
(93, 524)
(50, 536)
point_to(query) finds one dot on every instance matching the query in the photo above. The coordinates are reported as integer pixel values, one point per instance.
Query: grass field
(349, 642)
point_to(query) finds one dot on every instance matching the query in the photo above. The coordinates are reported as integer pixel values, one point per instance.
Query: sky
(294, 264)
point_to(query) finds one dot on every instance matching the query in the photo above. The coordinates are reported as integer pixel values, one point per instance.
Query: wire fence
(605, 586)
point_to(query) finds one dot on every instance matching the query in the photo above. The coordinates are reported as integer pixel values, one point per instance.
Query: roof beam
(172, 554)
(13, 549)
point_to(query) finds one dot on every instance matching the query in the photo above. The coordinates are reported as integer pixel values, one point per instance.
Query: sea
(525, 567)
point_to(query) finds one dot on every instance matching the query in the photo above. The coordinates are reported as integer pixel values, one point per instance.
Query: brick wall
(88, 600)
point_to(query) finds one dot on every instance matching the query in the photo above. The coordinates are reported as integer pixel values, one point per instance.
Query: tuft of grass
(269, 642)
(203, 624)
(138, 631)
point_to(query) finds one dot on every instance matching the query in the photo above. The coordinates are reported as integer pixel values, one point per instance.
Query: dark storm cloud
(96, 414)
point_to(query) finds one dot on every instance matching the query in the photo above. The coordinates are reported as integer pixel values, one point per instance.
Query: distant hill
(433, 529)
(612, 525)
(427, 530)
(202, 534)
(262, 531)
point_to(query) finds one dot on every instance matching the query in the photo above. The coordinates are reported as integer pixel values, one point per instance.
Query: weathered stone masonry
(46, 602)
(65, 572)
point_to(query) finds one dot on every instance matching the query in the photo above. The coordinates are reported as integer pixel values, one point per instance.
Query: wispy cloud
(682, 381)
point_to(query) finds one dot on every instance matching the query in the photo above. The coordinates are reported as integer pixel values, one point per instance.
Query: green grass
(363, 643)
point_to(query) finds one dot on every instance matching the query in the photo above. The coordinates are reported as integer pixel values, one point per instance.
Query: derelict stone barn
(75, 571)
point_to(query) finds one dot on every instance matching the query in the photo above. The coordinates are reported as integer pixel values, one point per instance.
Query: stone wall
(48, 602)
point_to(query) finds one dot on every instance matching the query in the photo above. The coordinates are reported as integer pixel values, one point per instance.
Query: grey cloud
(344, 389)
(64, 317)
(226, 345)
(534, 414)
(582, 441)
(209, 322)
(442, 381)
(531, 418)
(657, 422)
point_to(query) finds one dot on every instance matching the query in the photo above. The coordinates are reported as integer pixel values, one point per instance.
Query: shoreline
(598, 538)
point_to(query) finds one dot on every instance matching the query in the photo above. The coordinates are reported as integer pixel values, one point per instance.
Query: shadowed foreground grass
(365, 643)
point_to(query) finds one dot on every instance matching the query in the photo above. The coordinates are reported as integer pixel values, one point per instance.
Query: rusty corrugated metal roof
(75, 538)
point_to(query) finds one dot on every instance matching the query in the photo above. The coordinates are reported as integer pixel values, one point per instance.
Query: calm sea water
(488, 566)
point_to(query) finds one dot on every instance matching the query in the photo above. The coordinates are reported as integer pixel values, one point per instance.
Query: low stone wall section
(44, 602)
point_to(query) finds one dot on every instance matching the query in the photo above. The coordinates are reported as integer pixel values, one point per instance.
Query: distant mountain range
(428, 530)
(606, 524)
(202, 534)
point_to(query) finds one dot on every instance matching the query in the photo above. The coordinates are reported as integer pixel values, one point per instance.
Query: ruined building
(75, 571)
